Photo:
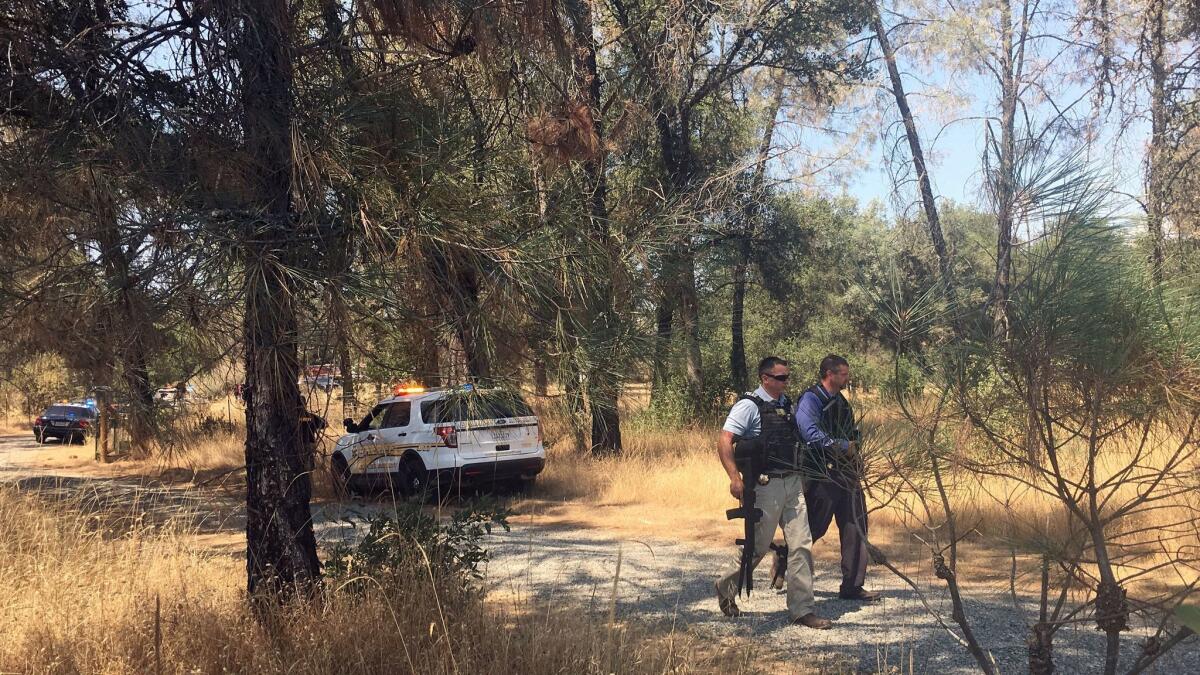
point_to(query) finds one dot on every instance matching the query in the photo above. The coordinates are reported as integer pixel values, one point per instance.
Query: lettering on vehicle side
(506, 421)
(365, 456)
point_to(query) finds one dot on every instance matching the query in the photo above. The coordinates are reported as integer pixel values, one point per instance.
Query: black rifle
(750, 456)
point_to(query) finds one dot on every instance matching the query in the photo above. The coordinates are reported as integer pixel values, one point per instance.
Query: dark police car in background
(65, 421)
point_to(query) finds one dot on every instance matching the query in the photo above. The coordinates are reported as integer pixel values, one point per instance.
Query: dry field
(15, 424)
(99, 593)
(669, 482)
(96, 593)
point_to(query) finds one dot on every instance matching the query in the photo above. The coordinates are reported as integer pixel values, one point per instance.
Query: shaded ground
(661, 580)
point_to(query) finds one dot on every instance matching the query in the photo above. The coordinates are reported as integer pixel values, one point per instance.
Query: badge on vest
(781, 412)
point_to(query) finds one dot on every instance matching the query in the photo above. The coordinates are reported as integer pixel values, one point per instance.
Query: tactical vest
(837, 421)
(780, 436)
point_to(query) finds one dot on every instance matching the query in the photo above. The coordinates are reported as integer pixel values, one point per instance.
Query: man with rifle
(760, 449)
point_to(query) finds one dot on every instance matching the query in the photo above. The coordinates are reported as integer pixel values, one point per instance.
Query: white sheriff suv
(424, 443)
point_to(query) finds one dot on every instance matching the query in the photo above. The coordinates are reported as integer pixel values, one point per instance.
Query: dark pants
(841, 500)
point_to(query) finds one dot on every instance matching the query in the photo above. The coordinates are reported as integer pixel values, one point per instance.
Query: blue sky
(953, 140)
(956, 168)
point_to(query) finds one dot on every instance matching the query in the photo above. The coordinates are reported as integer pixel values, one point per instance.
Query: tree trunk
(603, 398)
(541, 333)
(141, 399)
(471, 328)
(739, 375)
(341, 338)
(932, 220)
(104, 423)
(281, 553)
(664, 315)
(128, 307)
(458, 280)
(541, 379)
(1003, 179)
(751, 215)
(679, 270)
(575, 406)
(1155, 194)
(689, 319)
(342, 257)
(600, 317)
(672, 120)
(429, 363)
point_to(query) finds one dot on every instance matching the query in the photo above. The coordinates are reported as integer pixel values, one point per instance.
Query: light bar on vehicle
(407, 388)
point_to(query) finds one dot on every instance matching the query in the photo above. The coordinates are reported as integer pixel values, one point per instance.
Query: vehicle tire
(414, 478)
(521, 486)
(39, 436)
(341, 476)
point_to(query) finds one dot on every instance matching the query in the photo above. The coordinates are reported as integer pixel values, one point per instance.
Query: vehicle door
(437, 451)
(391, 436)
(361, 443)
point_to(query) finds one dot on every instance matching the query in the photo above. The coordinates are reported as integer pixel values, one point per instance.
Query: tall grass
(674, 474)
(87, 597)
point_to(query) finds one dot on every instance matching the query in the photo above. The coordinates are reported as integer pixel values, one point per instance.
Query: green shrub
(409, 540)
(903, 380)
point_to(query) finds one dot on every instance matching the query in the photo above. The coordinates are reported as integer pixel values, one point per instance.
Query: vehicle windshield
(462, 407)
(67, 411)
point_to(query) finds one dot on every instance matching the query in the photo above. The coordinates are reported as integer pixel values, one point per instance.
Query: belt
(781, 474)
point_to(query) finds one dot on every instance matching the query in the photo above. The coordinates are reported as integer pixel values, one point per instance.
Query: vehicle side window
(474, 407)
(373, 418)
(397, 415)
(433, 412)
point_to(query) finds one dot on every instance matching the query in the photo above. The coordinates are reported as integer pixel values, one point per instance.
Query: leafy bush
(869, 370)
(673, 408)
(42, 380)
(904, 380)
(410, 540)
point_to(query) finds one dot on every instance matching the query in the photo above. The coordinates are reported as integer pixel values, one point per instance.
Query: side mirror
(351, 427)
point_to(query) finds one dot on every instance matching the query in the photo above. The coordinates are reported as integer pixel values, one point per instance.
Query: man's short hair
(768, 364)
(831, 363)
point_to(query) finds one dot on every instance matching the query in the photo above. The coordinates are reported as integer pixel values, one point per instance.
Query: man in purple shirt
(833, 490)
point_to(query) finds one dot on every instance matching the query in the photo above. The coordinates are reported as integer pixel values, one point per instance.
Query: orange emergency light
(407, 388)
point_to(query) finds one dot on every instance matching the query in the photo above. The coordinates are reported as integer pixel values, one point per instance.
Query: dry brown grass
(15, 429)
(106, 593)
(86, 601)
(669, 483)
(676, 470)
(14, 422)
(87, 597)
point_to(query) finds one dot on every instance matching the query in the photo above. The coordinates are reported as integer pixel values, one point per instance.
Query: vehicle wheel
(414, 481)
(341, 476)
(523, 486)
(39, 436)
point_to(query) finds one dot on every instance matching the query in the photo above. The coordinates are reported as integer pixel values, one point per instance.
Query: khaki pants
(782, 504)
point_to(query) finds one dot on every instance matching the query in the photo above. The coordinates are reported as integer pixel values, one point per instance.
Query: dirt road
(668, 582)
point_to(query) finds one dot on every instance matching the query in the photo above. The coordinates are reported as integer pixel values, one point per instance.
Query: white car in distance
(422, 444)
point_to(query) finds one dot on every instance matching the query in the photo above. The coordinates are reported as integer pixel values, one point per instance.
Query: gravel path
(671, 583)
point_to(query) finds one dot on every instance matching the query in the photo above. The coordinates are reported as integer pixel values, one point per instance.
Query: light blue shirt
(743, 420)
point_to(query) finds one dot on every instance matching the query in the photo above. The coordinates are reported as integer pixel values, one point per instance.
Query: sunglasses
(777, 378)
